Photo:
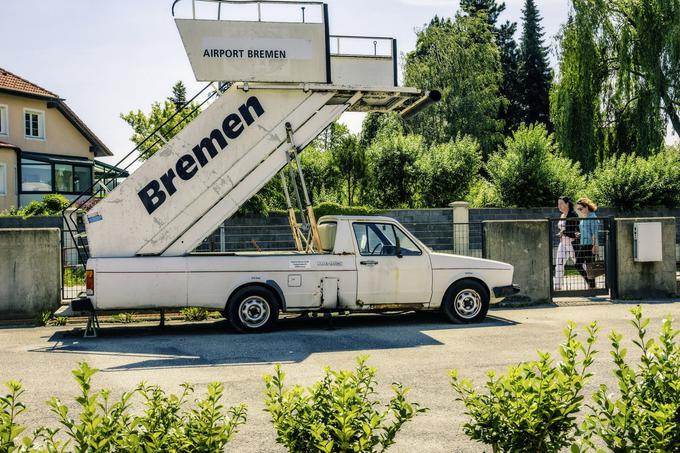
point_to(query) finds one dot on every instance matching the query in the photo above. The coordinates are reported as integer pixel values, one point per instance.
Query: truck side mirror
(399, 255)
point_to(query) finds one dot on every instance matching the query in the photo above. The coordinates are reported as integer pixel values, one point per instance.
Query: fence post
(461, 227)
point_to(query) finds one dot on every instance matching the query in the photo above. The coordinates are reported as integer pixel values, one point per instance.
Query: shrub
(10, 409)
(528, 172)
(74, 276)
(483, 194)
(194, 314)
(165, 425)
(43, 317)
(55, 203)
(533, 406)
(338, 413)
(631, 182)
(448, 171)
(645, 415)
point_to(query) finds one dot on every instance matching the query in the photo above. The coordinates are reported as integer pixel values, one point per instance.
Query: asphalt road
(415, 349)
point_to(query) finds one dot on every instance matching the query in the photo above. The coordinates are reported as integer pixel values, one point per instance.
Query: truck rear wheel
(466, 301)
(253, 309)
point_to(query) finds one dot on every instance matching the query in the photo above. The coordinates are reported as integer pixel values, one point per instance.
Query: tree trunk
(671, 112)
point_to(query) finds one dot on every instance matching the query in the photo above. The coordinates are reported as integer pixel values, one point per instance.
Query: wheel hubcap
(468, 303)
(254, 312)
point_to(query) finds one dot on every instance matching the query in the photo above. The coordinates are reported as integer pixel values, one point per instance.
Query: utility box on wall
(648, 242)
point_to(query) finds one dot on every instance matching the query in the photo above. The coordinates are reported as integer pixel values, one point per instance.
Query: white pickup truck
(369, 264)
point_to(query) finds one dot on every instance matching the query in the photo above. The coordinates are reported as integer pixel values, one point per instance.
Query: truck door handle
(368, 263)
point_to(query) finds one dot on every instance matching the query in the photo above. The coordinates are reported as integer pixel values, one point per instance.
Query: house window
(39, 176)
(36, 176)
(3, 179)
(4, 126)
(34, 124)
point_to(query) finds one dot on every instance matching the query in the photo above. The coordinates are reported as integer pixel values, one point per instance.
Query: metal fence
(462, 239)
(72, 269)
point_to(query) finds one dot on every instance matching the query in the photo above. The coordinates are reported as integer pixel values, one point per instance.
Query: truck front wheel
(253, 309)
(466, 301)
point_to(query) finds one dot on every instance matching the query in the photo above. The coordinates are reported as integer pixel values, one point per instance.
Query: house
(44, 146)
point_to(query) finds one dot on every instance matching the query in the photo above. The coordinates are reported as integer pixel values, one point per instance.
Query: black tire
(466, 301)
(261, 314)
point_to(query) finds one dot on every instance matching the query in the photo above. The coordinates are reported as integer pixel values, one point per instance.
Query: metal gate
(582, 257)
(72, 266)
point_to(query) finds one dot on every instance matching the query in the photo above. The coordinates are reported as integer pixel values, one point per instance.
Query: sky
(109, 57)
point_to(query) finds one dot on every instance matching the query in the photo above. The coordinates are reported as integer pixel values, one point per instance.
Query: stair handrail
(110, 175)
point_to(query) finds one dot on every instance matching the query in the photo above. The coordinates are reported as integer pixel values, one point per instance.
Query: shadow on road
(217, 344)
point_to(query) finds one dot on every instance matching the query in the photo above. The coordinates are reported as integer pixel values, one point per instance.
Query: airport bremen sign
(240, 51)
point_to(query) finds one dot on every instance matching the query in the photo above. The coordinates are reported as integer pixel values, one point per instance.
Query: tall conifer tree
(534, 70)
(511, 109)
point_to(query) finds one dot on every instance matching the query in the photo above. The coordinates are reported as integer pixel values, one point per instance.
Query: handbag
(595, 269)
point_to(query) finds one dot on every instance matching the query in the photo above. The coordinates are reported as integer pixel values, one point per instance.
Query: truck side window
(380, 239)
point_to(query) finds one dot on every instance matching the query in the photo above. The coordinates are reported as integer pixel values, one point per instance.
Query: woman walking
(587, 248)
(568, 230)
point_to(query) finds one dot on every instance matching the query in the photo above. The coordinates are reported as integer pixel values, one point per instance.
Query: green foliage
(630, 182)
(533, 406)
(575, 97)
(483, 194)
(50, 205)
(619, 78)
(395, 173)
(461, 59)
(448, 171)
(123, 318)
(74, 276)
(44, 317)
(55, 203)
(10, 409)
(335, 209)
(194, 314)
(351, 165)
(337, 414)
(144, 124)
(528, 172)
(645, 415)
(534, 72)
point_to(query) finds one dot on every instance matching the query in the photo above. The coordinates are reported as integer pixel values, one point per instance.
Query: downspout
(17, 174)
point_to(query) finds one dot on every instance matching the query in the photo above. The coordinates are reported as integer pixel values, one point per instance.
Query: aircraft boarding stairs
(245, 136)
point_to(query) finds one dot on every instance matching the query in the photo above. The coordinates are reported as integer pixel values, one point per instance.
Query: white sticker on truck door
(299, 264)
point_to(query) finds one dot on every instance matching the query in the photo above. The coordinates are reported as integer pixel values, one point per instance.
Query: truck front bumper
(505, 291)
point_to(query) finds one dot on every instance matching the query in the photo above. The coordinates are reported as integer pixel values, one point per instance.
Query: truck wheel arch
(271, 285)
(470, 278)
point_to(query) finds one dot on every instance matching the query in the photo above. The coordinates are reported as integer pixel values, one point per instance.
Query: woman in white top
(567, 233)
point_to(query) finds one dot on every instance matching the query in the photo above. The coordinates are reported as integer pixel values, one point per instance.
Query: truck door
(391, 268)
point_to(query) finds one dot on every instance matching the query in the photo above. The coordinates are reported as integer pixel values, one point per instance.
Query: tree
(575, 98)
(448, 171)
(534, 71)
(460, 58)
(143, 125)
(511, 109)
(351, 164)
(395, 174)
(528, 172)
(619, 78)
(179, 95)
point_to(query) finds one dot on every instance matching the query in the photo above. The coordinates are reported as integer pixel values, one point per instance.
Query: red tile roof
(13, 82)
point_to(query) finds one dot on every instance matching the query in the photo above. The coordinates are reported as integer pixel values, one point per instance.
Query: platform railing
(308, 12)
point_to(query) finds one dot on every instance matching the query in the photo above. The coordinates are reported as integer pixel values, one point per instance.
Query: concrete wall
(645, 280)
(522, 244)
(30, 271)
